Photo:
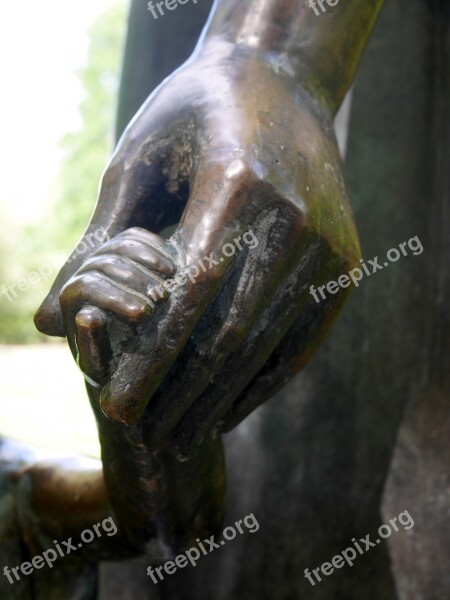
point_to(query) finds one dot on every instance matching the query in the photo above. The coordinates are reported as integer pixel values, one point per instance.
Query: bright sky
(41, 45)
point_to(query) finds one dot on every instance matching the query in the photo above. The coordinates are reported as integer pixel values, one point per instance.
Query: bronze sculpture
(249, 166)
(232, 163)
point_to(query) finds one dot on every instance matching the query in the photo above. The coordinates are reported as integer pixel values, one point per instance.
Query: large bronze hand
(238, 141)
(247, 150)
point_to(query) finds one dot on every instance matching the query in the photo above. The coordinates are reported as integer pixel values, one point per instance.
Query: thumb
(120, 206)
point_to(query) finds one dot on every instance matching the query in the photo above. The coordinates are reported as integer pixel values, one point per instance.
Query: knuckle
(244, 171)
(287, 206)
(136, 231)
(138, 311)
(77, 288)
(89, 319)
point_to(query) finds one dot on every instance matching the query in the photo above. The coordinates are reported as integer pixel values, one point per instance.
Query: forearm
(58, 500)
(322, 52)
(159, 501)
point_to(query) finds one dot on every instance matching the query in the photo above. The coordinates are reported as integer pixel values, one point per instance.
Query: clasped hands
(226, 145)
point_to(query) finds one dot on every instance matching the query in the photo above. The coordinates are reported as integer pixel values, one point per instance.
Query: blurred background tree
(85, 152)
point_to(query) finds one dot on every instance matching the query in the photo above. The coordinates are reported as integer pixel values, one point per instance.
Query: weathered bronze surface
(240, 138)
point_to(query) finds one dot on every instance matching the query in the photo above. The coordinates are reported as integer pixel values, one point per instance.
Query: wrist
(242, 62)
(320, 52)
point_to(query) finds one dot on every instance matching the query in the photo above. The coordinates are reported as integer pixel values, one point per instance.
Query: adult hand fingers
(256, 275)
(292, 303)
(211, 217)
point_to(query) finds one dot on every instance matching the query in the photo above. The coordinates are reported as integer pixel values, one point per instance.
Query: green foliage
(86, 151)
(85, 154)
